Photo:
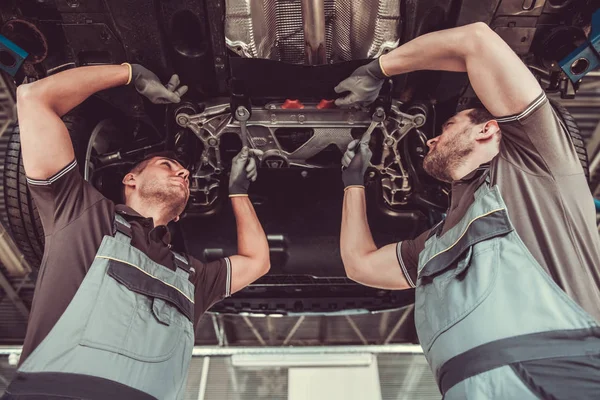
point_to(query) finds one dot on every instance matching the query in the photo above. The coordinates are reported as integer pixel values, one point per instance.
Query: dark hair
(139, 167)
(480, 115)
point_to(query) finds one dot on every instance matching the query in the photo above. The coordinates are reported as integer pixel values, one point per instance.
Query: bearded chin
(440, 164)
(437, 166)
(173, 201)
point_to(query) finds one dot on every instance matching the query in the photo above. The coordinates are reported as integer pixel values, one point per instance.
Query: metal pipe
(204, 351)
(10, 255)
(203, 378)
(254, 330)
(200, 351)
(313, 19)
(14, 296)
(399, 324)
(356, 330)
(294, 329)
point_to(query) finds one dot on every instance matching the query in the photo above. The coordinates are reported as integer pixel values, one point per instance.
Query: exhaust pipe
(313, 18)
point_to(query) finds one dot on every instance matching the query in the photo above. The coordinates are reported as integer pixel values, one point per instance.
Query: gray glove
(243, 171)
(363, 84)
(355, 162)
(148, 85)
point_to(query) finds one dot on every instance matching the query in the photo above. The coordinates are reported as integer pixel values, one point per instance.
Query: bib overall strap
(508, 351)
(183, 265)
(122, 229)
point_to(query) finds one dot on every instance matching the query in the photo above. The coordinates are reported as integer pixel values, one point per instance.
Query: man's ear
(489, 130)
(129, 180)
(176, 219)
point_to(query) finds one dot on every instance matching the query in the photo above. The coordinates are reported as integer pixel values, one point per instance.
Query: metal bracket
(586, 57)
(11, 56)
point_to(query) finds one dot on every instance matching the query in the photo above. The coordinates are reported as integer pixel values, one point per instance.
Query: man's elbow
(478, 36)
(352, 265)
(30, 93)
(263, 266)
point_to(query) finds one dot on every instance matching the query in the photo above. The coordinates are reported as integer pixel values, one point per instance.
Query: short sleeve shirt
(548, 201)
(75, 218)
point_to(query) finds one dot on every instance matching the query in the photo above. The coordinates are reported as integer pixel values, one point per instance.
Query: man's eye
(166, 163)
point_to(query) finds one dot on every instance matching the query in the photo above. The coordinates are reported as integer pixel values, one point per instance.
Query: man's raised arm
(363, 261)
(45, 141)
(502, 82)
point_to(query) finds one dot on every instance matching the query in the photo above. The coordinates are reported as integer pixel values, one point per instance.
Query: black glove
(363, 84)
(148, 85)
(355, 163)
(243, 171)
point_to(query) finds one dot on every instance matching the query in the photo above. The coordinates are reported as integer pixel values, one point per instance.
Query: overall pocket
(137, 315)
(456, 281)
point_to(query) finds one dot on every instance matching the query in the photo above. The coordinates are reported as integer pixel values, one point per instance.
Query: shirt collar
(160, 232)
(128, 211)
(475, 174)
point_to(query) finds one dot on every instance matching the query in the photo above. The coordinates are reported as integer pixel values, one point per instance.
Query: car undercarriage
(263, 73)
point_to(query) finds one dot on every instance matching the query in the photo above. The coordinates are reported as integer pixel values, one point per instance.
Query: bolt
(241, 112)
(419, 120)
(272, 107)
(301, 118)
(420, 150)
(371, 174)
(273, 118)
(389, 142)
(213, 142)
(304, 174)
(182, 120)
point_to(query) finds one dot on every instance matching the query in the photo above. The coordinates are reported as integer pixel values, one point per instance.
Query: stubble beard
(442, 161)
(171, 199)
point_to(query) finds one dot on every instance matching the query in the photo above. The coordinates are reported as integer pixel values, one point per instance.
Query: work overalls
(480, 322)
(127, 333)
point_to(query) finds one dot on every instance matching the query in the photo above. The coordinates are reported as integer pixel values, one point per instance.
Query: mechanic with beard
(115, 309)
(507, 298)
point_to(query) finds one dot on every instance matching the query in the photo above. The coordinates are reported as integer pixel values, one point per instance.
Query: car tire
(23, 217)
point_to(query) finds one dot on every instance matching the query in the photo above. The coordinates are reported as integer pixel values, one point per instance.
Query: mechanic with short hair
(115, 308)
(507, 298)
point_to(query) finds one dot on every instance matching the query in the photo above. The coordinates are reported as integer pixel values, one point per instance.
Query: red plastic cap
(292, 104)
(326, 104)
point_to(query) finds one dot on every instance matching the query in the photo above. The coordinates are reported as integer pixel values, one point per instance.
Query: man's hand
(355, 162)
(364, 85)
(243, 171)
(148, 85)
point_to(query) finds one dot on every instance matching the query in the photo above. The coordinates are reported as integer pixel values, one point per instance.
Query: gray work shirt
(548, 200)
(76, 217)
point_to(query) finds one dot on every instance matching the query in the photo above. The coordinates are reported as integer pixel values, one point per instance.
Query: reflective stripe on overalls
(129, 322)
(497, 307)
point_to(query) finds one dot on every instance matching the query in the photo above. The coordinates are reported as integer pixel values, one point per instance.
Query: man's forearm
(442, 50)
(252, 242)
(501, 81)
(356, 240)
(66, 90)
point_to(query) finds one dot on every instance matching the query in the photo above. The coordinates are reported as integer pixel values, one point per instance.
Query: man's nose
(184, 173)
(430, 142)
